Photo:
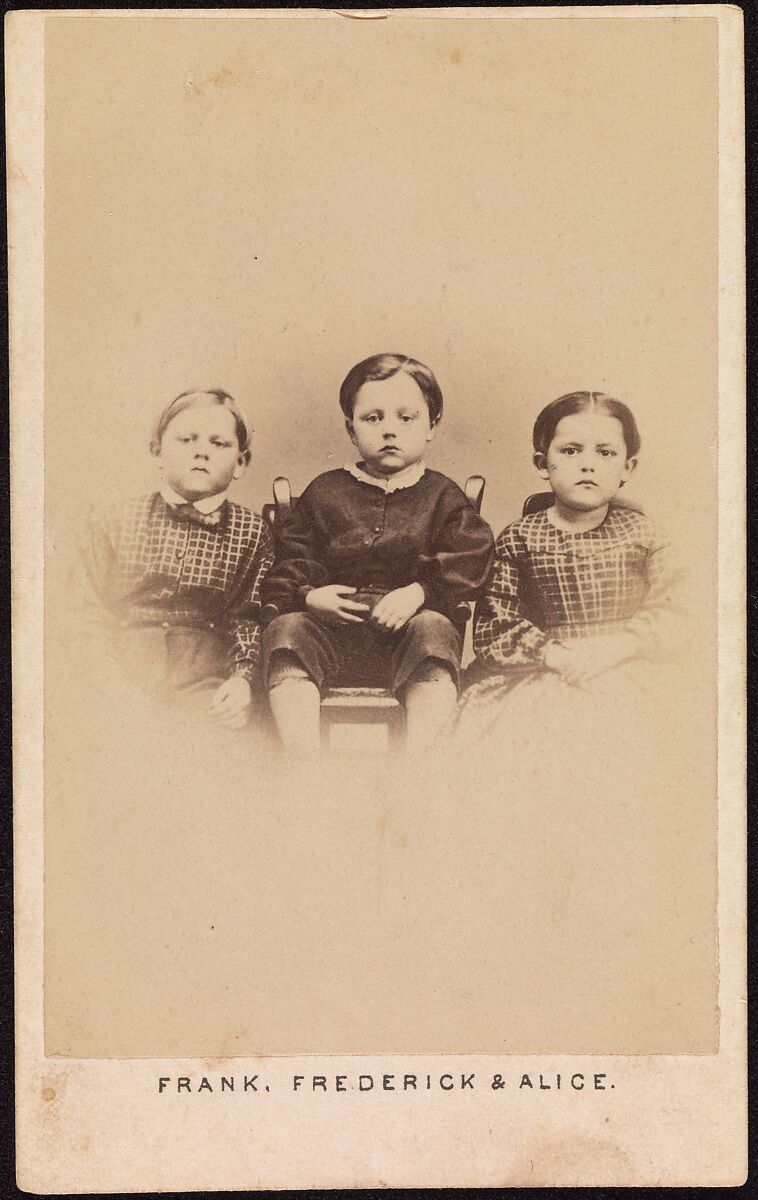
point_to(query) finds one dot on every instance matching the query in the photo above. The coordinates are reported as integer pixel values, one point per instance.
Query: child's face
(586, 462)
(199, 452)
(390, 424)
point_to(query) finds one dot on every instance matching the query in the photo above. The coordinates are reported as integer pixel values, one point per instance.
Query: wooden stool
(355, 718)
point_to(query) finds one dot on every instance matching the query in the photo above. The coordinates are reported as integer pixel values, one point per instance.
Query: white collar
(393, 483)
(206, 504)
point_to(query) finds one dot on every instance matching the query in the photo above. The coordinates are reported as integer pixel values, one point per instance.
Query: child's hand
(230, 703)
(395, 609)
(557, 657)
(330, 602)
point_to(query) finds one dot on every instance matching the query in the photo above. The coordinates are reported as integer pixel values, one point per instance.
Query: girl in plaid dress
(582, 608)
(172, 579)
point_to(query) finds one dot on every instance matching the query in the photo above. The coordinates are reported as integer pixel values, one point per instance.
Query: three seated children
(373, 569)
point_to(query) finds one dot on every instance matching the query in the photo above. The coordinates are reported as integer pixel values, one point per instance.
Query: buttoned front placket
(181, 549)
(380, 517)
(181, 552)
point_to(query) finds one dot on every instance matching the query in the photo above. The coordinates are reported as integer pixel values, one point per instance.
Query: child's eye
(408, 417)
(606, 453)
(569, 450)
(372, 418)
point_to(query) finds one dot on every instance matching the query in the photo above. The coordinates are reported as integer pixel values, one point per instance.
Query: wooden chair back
(284, 501)
(539, 501)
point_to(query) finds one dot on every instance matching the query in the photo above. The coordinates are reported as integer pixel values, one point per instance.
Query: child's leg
(295, 703)
(298, 654)
(425, 668)
(430, 698)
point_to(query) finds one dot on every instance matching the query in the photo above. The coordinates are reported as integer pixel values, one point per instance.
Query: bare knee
(434, 671)
(285, 667)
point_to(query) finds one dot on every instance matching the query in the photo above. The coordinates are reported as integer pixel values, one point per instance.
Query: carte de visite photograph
(372, 379)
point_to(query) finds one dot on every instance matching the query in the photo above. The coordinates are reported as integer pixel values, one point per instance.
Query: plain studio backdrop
(529, 207)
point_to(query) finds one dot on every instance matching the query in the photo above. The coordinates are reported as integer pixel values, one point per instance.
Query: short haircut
(195, 398)
(384, 366)
(578, 402)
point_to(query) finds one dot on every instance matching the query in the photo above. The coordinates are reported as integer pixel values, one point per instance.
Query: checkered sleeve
(244, 619)
(661, 625)
(504, 636)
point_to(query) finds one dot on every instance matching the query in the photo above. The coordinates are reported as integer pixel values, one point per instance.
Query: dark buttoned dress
(345, 530)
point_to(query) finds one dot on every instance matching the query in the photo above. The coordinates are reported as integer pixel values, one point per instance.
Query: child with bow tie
(173, 578)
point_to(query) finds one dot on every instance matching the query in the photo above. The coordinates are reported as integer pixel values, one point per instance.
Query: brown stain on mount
(51, 1092)
(456, 56)
(566, 1161)
(225, 78)
(15, 174)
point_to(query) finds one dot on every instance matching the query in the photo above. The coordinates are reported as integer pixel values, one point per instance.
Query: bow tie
(188, 512)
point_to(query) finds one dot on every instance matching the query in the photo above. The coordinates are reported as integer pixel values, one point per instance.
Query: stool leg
(396, 728)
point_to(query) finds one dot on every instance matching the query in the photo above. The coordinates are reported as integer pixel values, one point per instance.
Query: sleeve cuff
(457, 611)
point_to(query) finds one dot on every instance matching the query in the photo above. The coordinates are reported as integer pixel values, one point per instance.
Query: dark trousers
(363, 655)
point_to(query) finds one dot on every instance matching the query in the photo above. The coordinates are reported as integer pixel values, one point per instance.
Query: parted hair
(195, 398)
(384, 366)
(578, 402)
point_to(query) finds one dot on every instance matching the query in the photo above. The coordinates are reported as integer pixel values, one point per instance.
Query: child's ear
(350, 432)
(540, 461)
(631, 463)
(242, 460)
(432, 431)
(155, 454)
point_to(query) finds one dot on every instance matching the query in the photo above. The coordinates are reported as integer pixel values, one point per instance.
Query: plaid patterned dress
(551, 585)
(183, 597)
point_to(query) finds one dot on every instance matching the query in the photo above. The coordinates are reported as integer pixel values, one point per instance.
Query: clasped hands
(392, 612)
(587, 658)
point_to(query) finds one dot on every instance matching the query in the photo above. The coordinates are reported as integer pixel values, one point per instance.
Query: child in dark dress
(372, 568)
(172, 579)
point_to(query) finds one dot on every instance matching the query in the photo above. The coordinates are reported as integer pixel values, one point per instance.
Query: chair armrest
(463, 612)
(282, 496)
(474, 490)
